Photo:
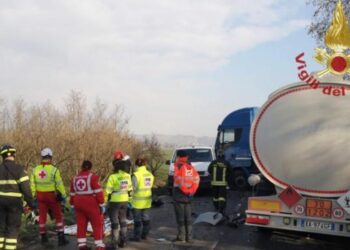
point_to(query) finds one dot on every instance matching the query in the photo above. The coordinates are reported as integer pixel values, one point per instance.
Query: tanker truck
(300, 140)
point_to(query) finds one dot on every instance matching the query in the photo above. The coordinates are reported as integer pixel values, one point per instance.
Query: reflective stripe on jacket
(14, 182)
(186, 178)
(142, 197)
(119, 186)
(82, 185)
(85, 184)
(219, 174)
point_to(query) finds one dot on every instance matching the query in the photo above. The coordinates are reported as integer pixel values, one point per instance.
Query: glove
(63, 201)
(59, 197)
(35, 204)
(129, 205)
(103, 209)
(72, 210)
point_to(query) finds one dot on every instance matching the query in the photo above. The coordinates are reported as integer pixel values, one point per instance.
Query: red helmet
(118, 155)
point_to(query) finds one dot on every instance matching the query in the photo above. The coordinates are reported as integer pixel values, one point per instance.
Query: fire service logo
(335, 57)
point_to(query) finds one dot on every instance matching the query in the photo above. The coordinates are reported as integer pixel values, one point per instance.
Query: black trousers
(219, 198)
(10, 221)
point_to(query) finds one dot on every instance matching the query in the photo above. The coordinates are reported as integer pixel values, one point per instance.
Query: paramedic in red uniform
(47, 187)
(87, 199)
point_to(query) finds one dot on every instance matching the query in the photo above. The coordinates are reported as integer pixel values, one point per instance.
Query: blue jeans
(141, 222)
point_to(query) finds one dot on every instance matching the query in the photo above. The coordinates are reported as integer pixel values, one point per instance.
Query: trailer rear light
(257, 219)
(265, 205)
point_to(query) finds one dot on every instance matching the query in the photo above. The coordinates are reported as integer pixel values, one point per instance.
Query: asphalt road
(222, 236)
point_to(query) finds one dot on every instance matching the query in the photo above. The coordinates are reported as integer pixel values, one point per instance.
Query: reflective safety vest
(186, 178)
(118, 187)
(142, 197)
(82, 185)
(46, 178)
(219, 174)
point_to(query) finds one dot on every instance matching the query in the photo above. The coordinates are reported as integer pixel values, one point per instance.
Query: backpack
(186, 178)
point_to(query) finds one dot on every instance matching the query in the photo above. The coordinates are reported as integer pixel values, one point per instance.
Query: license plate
(318, 225)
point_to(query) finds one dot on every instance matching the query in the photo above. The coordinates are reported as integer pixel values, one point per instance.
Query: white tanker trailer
(300, 141)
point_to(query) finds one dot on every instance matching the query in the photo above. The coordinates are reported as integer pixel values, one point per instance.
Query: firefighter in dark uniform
(220, 174)
(14, 185)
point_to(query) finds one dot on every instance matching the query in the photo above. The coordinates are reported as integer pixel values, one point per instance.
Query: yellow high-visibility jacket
(47, 178)
(142, 197)
(118, 187)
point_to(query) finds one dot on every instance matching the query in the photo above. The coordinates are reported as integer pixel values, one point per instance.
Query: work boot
(181, 235)
(112, 246)
(189, 240)
(44, 238)
(180, 240)
(135, 238)
(62, 239)
(122, 243)
(84, 248)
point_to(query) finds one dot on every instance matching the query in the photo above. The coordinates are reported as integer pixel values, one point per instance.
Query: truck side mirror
(167, 162)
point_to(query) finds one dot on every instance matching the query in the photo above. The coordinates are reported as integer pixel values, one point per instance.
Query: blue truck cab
(233, 139)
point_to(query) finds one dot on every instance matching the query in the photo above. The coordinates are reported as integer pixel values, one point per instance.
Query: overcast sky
(176, 66)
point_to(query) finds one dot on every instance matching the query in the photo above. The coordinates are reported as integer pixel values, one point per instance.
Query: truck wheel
(239, 180)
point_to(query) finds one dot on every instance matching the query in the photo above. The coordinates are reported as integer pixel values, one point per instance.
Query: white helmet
(46, 152)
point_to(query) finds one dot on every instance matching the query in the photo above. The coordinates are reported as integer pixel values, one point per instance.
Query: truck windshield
(230, 135)
(198, 155)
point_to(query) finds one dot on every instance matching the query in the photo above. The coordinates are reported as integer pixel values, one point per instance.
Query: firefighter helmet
(46, 153)
(7, 150)
(118, 155)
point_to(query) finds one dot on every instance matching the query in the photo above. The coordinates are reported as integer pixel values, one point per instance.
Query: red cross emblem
(42, 174)
(80, 184)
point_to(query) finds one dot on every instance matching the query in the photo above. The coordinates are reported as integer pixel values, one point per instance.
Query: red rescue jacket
(186, 177)
(84, 186)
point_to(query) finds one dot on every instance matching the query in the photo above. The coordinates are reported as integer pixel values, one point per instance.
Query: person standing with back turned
(86, 198)
(47, 187)
(118, 190)
(186, 183)
(220, 174)
(142, 181)
(14, 185)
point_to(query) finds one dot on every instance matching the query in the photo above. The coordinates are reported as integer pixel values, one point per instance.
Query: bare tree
(74, 134)
(155, 155)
